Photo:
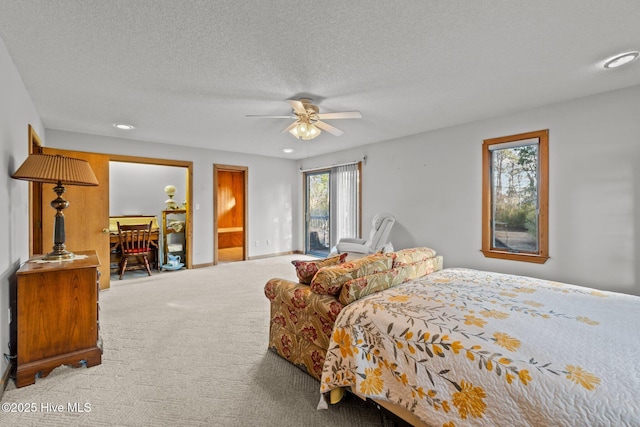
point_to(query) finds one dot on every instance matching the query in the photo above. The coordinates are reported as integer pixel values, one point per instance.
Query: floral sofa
(303, 313)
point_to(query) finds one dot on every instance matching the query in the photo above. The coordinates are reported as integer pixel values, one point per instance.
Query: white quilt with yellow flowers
(465, 347)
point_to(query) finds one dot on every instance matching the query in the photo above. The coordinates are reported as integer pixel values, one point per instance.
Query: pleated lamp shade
(56, 169)
(59, 170)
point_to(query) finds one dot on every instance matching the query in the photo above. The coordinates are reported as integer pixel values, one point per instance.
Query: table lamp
(59, 170)
(171, 191)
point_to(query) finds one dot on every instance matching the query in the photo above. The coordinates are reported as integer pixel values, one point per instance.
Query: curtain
(343, 202)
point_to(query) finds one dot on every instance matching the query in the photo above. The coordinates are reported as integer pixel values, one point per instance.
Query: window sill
(534, 258)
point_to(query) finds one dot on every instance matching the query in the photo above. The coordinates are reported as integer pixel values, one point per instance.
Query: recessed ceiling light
(123, 126)
(623, 58)
(288, 150)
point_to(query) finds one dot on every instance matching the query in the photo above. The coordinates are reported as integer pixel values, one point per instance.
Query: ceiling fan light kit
(304, 129)
(308, 122)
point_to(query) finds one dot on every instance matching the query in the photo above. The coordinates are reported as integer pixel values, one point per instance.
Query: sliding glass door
(332, 207)
(317, 224)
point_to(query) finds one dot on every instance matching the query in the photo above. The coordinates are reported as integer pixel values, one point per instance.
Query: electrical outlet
(257, 242)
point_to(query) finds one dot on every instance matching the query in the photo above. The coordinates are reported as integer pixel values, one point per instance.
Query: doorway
(317, 220)
(230, 201)
(332, 206)
(137, 195)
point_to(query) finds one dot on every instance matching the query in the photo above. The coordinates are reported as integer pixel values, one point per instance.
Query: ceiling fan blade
(342, 115)
(288, 128)
(270, 117)
(297, 106)
(327, 127)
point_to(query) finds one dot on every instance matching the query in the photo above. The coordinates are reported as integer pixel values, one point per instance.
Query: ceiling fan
(309, 121)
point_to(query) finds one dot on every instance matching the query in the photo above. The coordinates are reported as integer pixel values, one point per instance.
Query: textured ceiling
(188, 72)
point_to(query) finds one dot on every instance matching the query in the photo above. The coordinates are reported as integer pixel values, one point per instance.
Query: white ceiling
(188, 71)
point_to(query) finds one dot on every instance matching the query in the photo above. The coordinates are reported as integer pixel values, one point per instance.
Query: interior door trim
(230, 168)
(189, 186)
(35, 201)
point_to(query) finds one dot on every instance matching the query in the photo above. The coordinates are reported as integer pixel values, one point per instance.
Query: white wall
(16, 112)
(432, 183)
(274, 189)
(138, 189)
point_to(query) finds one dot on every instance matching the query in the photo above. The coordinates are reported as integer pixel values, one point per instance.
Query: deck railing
(318, 230)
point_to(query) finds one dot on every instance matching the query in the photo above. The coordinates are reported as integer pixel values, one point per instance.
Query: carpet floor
(185, 348)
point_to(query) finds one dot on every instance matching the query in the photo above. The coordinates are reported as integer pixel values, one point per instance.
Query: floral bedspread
(465, 347)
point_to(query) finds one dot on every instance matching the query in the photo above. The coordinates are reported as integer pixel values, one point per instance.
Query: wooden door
(87, 217)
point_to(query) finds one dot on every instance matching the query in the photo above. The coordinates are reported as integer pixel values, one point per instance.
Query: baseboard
(6, 377)
(274, 255)
(210, 264)
(207, 264)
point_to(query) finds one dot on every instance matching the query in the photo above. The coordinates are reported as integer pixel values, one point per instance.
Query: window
(515, 197)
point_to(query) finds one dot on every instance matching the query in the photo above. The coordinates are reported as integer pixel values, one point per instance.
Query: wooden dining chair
(135, 241)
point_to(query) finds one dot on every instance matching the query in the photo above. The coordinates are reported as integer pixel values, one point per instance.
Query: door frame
(245, 171)
(35, 201)
(305, 206)
(305, 195)
(189, 189)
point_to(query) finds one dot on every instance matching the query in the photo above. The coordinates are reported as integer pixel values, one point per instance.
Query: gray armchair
(381, 228)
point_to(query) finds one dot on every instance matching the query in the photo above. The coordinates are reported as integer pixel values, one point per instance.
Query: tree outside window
(515, 197)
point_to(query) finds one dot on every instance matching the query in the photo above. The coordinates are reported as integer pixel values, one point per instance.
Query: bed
(467, 347)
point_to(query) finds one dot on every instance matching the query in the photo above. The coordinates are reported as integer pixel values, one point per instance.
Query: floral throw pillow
(329, 280)
(362, 286)
(412, 255)
(307, 269)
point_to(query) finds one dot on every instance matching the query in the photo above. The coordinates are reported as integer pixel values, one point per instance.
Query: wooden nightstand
(56, 316)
